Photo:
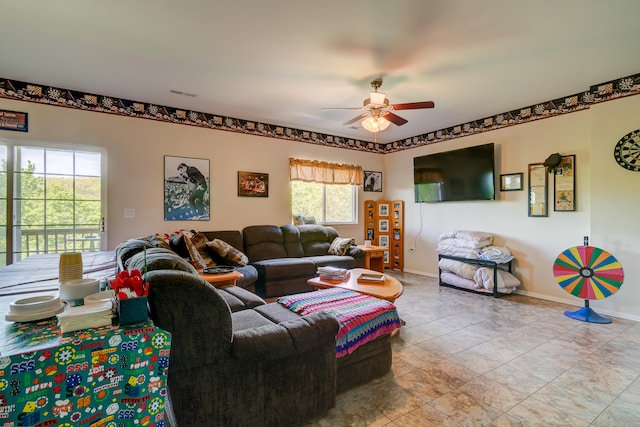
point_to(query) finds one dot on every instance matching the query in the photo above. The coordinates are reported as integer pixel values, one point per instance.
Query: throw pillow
(341, 245)
(298, 219)
(157, 240)
(197, 246)
(228, 252)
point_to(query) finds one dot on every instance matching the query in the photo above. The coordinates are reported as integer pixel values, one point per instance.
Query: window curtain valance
(324, 172)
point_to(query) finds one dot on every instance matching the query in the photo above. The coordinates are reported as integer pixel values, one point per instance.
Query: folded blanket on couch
(362, 318)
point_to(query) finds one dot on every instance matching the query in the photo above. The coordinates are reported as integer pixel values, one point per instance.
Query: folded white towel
(463, 243)
(472, 236)
(499, 254)
(457, 251)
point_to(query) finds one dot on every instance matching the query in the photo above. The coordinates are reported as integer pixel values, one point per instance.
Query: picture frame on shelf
(372, 181)
(511, 181)
(564, 185)
(538, 184)
(253, 184)
(187, 193)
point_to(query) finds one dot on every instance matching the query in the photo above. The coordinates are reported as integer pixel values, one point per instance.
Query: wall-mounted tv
(464, 174)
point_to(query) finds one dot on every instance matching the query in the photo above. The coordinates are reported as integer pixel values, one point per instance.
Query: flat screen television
(464, 174)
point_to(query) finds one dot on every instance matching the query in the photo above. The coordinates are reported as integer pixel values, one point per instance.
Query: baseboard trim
(573, 301)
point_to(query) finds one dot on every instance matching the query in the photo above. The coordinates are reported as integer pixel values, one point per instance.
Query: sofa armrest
(277, 341)
(355, 252)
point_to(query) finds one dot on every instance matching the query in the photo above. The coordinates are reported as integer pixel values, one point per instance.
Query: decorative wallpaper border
(33, 92)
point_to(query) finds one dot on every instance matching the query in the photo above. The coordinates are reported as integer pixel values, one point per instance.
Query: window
(326, 191)
(51, 200)
(328, 203)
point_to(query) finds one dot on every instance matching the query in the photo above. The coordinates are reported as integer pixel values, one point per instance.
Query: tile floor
(471, 360)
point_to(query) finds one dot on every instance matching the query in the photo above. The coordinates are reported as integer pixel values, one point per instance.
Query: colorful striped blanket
(362, 318)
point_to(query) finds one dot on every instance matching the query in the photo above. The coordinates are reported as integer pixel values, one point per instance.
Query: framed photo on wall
(564, 184)
(538, 181)
(384, 241)
(186, 189)
(373, 181)
(253, 184)
(14, 120)
(383, 225)
(511, 182)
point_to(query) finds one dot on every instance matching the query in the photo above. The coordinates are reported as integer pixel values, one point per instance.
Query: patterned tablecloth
(108, 376)
(362, 318)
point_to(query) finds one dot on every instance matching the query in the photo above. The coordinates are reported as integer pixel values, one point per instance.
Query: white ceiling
(281, 61)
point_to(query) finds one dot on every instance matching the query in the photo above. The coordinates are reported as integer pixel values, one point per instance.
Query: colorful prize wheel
(589, 273)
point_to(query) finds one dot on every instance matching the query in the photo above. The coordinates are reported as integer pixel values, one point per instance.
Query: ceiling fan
(378, 113)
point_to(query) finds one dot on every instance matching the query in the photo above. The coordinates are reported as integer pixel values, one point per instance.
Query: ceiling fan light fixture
(375, 124)
(377, 98)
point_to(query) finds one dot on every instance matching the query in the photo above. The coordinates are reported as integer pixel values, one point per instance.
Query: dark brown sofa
(241, 368)
(228, 344)
(285, 257)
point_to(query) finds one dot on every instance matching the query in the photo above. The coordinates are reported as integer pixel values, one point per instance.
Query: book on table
(373, 278)
(333, 274)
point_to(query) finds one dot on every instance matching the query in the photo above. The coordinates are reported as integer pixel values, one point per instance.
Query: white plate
(30, 317)
(37, 304)
(99, 297)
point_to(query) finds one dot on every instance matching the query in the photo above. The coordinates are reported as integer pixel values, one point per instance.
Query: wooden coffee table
(390, 290)
(221, 280)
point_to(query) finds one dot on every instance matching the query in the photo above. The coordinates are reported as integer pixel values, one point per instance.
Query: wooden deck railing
(57, 240)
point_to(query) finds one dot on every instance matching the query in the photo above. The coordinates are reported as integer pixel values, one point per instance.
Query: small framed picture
(383, 209)
(373, 181)
(511, 182)
(383, 225)
(564, 184)
(253, 184)
(14, 120)
(384, 241)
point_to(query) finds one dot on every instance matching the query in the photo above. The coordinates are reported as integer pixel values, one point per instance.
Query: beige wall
(135, 150)
(607, 202)
(606, 194)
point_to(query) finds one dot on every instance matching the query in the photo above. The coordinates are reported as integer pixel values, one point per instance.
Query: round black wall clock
(627, 151)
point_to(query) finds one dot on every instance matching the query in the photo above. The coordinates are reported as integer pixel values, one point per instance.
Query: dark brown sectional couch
(286, 256)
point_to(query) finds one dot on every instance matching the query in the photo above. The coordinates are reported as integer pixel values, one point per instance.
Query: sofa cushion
(129, 248)
(159, 259)
(292, 244)
(263, 242)
(338, 261)
(248, 319)
(240, 299)
(285, 268)
(314, 239)
(227, 252)
(340, 245)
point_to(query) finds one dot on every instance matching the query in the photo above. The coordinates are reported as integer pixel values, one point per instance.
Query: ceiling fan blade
(394, 118)
(355, 119)
(414, 105)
